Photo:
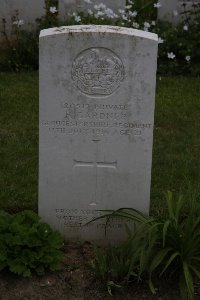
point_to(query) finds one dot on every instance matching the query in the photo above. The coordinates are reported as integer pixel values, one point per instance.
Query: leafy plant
(183, 40)
(23, 54)
(50, 18)
(119, 265)
(177, 251)
(160, 246)
(27, 244)
(145, 9)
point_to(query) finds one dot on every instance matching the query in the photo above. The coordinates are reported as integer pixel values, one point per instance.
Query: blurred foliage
(182, 40)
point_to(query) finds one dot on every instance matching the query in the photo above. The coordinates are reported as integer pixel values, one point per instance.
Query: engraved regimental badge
(97, 71)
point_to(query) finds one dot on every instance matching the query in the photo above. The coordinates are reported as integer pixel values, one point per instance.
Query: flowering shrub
(179, 53)
(50, 19)
(178, 44)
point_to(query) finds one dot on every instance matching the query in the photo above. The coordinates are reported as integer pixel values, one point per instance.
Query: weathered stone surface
(97, 88)
(172, 10)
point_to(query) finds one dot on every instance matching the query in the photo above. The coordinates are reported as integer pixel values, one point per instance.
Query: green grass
(18, 141)
(176, 153)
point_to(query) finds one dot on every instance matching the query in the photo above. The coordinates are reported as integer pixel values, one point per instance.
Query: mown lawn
(176, 159)
(18, 141)
(176, 154)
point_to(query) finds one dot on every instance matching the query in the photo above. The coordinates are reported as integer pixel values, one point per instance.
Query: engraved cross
(95, 164)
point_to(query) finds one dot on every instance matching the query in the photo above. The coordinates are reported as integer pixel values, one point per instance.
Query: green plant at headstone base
(118, 265)
(27, 244)
(178, 244)
(126, 263)
(106, 266)
(170, 245)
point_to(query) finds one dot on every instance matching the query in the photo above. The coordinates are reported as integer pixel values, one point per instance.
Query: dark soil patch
(76, 281)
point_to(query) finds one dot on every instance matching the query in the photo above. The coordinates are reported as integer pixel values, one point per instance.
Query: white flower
(153, 23)
(53, 9)
(146, 24)
(124, 17)
(185, 27)
(175, 13)
(103, 10)
(96, 7)
(188, 57)
(90, 12)
(21, 22)
(135, 25)
(18, 22)
(100, 6)
(171, 55)
(160, 40)
(77, 18)
(133, 13)
(128, 6)
(131, 2)
(121, 11)
(115, 15)
(100, 13)
(157, 5)
(109, 12)
(88, 1)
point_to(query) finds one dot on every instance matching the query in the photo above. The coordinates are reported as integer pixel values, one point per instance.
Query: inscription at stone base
(76, 218)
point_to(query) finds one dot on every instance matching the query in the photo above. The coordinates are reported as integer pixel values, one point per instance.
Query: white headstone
(172, 10)
(97, 89)
(67, 7)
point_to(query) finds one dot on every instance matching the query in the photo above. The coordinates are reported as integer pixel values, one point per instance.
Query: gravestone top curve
(99, 29)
